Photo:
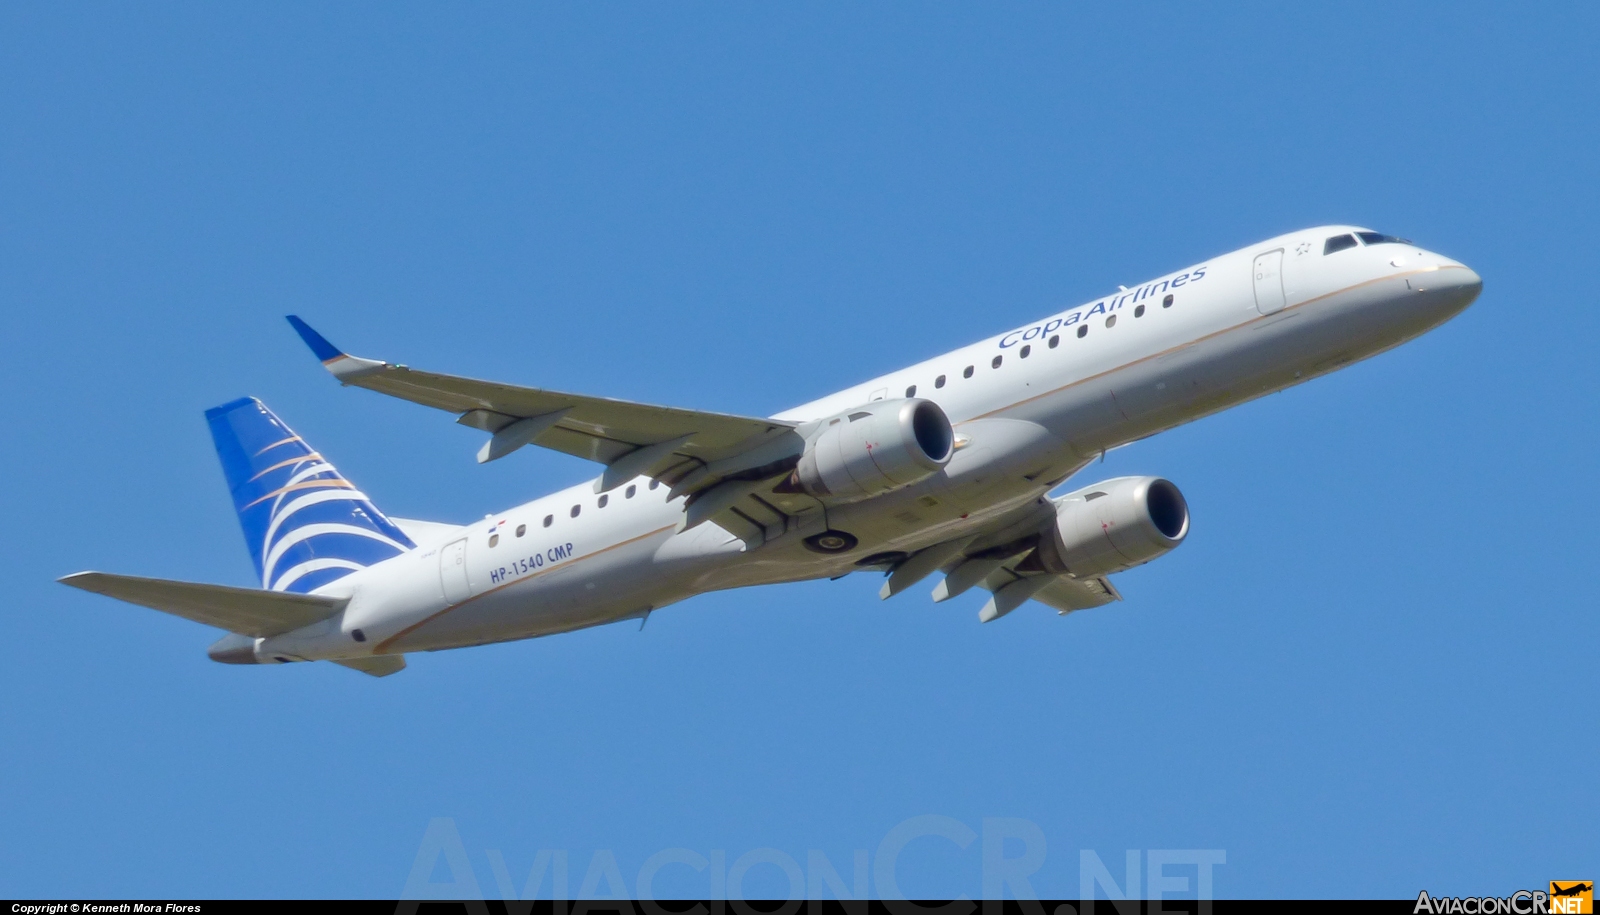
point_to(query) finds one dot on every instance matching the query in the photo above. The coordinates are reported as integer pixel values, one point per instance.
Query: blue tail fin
(305, 524)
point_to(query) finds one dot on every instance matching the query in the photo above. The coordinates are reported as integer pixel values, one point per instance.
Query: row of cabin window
(602, 502)
(1055, 341)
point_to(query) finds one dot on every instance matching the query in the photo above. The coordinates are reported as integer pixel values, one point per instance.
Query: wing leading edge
(718, 460)
(594, 428)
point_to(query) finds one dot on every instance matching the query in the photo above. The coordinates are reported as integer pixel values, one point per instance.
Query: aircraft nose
(1461, 279)
(1452, 286)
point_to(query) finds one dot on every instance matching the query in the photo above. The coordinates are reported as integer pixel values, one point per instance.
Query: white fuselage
(1030, 407)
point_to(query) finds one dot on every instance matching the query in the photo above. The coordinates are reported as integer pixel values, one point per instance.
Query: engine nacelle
(1114, 525)
(872, 449)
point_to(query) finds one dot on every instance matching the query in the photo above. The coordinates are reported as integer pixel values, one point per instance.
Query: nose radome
(1461, 277)
(1458, 283)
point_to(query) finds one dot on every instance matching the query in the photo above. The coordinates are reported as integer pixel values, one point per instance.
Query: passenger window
(1138, 312)
(1167, 302)
(996, 363)
(1338, 243)
(604, 499)
(966, 372)
(494, 539)
(576, 509)
(549, 520)
(911, 391)
(521, 529)
(938, 382)
(1083, 330)
(654, 483)
(1111, 321)
(1025, 351)
(1055, 341)
(631, 490)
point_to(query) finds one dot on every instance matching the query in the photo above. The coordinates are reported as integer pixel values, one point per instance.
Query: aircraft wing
(246, 611)
(630, 438)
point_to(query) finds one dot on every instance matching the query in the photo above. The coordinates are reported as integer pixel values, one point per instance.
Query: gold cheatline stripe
(1185, 345)
(313, 484)
(292, 438)
(381, 646)
(293, 460)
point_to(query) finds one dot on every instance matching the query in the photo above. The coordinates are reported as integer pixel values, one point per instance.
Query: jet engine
(872, 449)
(1113, 525)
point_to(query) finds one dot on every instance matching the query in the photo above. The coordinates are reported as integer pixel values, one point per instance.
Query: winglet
(340, 363)
(319, 344)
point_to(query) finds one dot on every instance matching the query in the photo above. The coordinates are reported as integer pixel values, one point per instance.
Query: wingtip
(344, 366)
(319, 344)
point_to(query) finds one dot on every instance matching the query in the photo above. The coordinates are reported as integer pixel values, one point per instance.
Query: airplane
(943, 468)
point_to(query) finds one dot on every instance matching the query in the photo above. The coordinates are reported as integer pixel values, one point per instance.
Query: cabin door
(453, 572)
(1268, 274)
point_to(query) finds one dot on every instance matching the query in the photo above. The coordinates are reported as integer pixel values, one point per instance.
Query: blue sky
(1369, 671)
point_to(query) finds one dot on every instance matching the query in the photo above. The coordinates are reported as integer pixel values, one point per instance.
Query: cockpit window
(1374, 238)
(1338, 243)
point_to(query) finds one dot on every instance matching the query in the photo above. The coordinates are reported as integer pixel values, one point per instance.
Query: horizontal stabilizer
(378, 665)
(243, 610)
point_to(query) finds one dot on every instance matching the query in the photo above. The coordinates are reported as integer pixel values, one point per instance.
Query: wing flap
(246, 611)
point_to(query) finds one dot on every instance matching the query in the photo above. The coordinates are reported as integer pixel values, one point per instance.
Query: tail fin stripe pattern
(291, 461)
(314, 537)
(313, 468)
(292, 438)
(280, 516)
(342, 566)
(296, 487)
(301, 534)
